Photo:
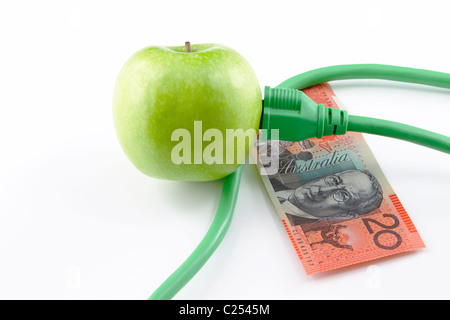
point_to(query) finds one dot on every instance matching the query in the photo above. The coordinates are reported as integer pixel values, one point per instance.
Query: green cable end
(298, 118)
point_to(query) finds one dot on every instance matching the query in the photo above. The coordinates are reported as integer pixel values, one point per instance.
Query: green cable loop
(368, 71)
(382, 72)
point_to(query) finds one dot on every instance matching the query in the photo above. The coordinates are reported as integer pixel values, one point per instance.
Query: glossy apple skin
(161, 89)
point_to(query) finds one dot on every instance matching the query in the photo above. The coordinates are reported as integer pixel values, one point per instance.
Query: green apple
(162, 89)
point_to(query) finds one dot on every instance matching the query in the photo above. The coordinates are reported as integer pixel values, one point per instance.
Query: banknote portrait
(340, 196)
(337, 191)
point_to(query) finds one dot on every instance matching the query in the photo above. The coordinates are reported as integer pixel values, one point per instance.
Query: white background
(78, 221)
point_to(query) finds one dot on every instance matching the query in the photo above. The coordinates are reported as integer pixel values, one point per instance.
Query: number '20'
(388, 230)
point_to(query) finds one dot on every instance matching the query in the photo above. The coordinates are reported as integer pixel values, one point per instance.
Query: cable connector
(298, 118)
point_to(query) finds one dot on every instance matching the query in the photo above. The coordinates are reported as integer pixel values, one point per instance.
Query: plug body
(298, 118)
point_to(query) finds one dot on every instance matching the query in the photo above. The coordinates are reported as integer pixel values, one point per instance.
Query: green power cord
(368, 71)
(298, 118)
(288, 108)
(208, 245)
(399, 131)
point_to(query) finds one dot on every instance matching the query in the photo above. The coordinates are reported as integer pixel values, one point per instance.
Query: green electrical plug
(298, 118)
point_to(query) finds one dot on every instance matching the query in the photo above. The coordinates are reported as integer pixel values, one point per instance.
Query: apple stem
(187, 44)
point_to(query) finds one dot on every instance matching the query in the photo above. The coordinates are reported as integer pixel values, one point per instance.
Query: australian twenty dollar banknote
(333, 199)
